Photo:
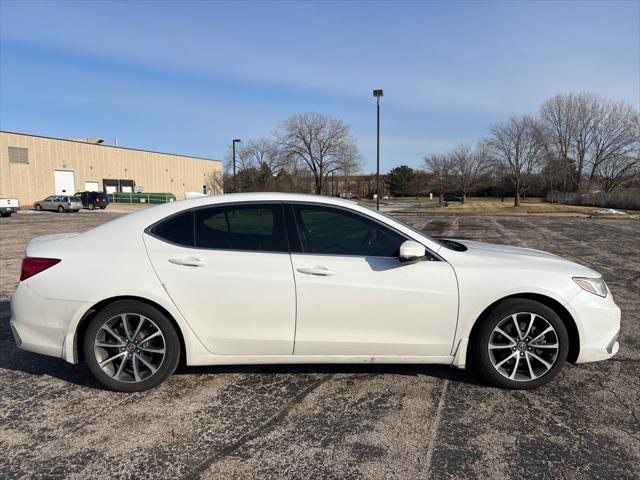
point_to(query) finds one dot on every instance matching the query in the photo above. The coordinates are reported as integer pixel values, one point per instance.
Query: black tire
(61, 209)
(91, 206)
(6, 214)
(481, 358)
(38, 207)
(102, 208)
(159, 320)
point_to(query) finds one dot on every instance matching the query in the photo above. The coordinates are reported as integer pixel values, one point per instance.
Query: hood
(517, 255)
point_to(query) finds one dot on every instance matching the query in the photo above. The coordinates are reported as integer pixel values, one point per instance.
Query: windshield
(443, 243)
(386, 215)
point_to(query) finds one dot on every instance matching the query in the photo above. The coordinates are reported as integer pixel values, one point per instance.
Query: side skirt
(301, 359)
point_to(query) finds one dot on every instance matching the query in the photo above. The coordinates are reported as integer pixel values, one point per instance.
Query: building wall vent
(18, 155)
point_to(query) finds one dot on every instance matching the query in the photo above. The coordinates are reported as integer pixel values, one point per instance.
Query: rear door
(228, 270)
(355, 297)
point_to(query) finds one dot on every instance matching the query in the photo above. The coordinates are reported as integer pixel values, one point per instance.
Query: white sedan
(278, 278)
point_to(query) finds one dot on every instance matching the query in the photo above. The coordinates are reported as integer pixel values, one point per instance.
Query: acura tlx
(281, 278)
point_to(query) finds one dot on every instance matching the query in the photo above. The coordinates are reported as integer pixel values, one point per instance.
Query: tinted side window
(332, 231)
(177, 229)
(242, 227)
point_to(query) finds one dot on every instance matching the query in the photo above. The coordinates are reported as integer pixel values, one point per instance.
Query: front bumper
(598, 322)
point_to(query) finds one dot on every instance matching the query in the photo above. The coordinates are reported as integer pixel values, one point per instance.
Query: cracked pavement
(334, 421)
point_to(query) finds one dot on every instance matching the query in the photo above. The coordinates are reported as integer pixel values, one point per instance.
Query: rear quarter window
(177, 229)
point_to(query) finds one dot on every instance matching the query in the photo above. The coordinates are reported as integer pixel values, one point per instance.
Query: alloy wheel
(129, 347)
(523, 347)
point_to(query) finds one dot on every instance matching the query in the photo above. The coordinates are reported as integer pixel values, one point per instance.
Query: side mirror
(411, 252)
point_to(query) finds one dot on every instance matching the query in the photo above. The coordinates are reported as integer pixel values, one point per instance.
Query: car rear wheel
(130, 346)
(522, 344)
(102, 208)
(91, 206)
(61, 209)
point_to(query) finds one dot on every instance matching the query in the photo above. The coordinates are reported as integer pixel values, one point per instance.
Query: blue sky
(187, 77)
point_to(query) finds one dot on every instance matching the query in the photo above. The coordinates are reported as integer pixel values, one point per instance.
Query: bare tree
(214, 180)
(517, 148)
(612, 141)
(471, 166)
(318, 142)
(588, 134)
(348, 163)
(441, 166)
(265, 160)
(624, 167)
(558, 117)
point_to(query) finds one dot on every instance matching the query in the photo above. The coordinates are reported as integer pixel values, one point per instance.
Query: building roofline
(109, 146)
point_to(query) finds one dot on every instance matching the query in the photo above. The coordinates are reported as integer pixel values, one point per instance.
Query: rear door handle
(317, 270)
(188, 261)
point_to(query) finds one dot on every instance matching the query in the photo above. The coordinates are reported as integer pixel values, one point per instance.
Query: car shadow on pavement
(444, 372)
(14, 359)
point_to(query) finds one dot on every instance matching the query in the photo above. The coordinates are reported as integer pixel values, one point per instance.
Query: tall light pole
(233, 147)
(378, 94)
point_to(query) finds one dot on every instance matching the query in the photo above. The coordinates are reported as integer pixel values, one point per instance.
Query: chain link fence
(154, 198)
(621, 200)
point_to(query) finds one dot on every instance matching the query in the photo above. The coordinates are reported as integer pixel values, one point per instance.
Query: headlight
(592, 285)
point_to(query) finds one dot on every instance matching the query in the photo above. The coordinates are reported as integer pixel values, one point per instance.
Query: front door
(228, 270)
(355, 297)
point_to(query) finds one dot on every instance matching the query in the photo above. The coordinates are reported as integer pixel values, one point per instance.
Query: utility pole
(378, 94)
(233, 147)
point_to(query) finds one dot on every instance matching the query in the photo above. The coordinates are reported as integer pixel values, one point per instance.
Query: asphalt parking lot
(378, 422)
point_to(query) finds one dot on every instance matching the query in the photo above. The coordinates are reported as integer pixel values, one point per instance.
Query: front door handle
(317, 270)
(188, 261)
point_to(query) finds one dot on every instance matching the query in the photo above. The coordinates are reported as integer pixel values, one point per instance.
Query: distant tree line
(576, 143)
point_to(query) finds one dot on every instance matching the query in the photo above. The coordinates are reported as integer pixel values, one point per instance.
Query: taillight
(33, 265)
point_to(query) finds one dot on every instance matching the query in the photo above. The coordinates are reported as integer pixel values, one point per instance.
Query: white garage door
(64, 182)
(91, 186)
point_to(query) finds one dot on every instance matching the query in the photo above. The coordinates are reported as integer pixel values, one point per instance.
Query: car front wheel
(38, 207)
(61, 209)
(522, 344)
(91, 206)
(131, 346)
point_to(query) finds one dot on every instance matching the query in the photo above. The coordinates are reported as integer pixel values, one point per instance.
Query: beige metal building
(33, 167)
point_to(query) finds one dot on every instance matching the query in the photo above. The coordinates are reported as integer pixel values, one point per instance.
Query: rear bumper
(598, 322)
(9, 209)
(41, 324)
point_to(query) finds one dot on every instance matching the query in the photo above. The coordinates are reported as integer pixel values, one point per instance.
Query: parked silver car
(61, 203)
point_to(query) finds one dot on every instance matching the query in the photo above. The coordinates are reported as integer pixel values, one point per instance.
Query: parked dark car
(452, 197)
(92, 200)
